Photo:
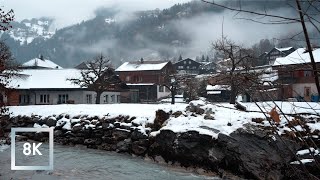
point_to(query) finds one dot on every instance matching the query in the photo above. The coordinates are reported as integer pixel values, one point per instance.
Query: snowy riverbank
(212, 136)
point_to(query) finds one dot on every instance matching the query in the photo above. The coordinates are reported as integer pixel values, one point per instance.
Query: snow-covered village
(160, 90)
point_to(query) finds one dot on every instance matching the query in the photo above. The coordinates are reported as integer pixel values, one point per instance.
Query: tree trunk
(98, 97)
(173, 94)
(313, 63)
(233, 94)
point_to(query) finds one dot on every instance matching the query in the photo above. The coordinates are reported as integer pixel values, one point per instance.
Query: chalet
(272, 55)
(296, 75)
(187, 66)
(145, 79)
(40, 63)
(51, 86)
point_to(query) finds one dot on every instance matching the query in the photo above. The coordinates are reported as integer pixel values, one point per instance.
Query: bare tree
(8, 68)
(98, 77)
(5, 19)
(235, 58)
(171, 82)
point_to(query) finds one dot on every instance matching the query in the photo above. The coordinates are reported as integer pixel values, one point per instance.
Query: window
(307, 73)
(106, 97)
(24, 99)
(127, 78)
(187, 67)
(140, 79)
(118, 98)
(180, 67)
(89, 98)
(189, 62)
(44, 98)
(63, 98)
(185, 62)
(112, 98)
(161, 89)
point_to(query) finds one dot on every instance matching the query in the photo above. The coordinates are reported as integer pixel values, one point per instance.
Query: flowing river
(82, 163)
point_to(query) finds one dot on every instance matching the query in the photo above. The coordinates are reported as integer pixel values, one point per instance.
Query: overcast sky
(68, 12)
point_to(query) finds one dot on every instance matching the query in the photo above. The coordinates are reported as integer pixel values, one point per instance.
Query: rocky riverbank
(249, 152)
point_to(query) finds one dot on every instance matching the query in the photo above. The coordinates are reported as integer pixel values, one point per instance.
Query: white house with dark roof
(40, 63)
(146, 79)
(296, 75)
(51, 86)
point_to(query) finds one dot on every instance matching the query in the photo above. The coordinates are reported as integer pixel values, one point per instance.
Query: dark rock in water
(92, 141)
(77, 140)
(120, 134)
(124, 146)
(21, 138)
(107, 147)
(109, 140)
(140, 147)
(254, 155)
(51, 122)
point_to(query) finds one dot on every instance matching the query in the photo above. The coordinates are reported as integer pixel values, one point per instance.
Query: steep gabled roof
(45, 79)
(41, 63)
(299, 56)
(142, 66)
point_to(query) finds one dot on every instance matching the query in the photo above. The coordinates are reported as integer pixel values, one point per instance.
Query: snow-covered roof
(45, 79)
(44, 63)
(284, 49)
(299, 56)
(217, 87)
(145, 66)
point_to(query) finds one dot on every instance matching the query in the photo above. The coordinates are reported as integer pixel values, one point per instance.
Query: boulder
(51, 122)
(136, 135)
(161, 117)
(124, 146)
(120, 134)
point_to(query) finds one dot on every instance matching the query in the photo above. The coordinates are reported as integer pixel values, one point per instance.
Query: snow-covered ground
(225, 118)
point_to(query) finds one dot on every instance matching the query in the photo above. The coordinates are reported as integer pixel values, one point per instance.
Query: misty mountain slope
(186, 29)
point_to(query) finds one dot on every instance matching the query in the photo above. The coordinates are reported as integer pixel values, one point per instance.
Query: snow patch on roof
(45, 63)
(46, 79)
(283, 49)
(299, 56)
(145, 66)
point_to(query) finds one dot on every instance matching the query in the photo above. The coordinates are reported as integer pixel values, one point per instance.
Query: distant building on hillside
(187, 66)
(40, 63)
(272, 55)
(145, 79)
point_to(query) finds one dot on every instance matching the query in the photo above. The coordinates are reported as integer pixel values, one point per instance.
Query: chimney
(141, 60)
(41, 57)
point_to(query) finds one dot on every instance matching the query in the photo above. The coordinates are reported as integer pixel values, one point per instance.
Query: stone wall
(248, 153)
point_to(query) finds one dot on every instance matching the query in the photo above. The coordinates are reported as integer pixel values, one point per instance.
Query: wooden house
(187, 66)
(145, 79)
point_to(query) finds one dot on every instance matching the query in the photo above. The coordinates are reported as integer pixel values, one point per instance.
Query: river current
(77, 163)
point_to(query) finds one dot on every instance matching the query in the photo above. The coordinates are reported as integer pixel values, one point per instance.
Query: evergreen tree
(180, 58)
